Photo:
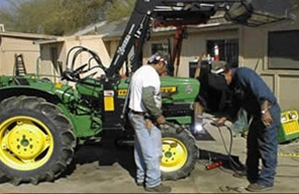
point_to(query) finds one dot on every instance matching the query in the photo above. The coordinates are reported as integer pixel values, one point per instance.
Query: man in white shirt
(145, 102)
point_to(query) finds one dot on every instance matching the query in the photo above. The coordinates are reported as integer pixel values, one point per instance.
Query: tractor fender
(17, 91)
(48, 96)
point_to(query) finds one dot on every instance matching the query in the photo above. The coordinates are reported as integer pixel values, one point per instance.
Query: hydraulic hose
(228, 150)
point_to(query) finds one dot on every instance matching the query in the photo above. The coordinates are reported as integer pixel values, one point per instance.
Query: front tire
(36, 139)
(180, 153)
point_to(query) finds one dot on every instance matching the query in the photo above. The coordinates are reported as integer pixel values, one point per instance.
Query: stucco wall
(11, 46)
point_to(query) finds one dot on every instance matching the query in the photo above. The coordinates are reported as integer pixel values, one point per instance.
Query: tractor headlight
(283, 118)
(189, 89)
(293, 116)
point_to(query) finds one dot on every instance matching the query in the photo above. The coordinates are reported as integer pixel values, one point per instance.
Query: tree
(80, 13)
(61, 17)
(120, 9)
(32, 16)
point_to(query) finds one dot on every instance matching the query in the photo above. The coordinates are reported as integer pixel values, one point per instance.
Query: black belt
(138, 113)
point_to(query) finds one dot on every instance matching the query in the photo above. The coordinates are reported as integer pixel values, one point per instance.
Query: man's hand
(220, 121)
(160, 119)
(267, 118)
(148, 124)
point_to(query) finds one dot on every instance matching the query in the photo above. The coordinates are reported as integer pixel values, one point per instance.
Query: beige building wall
(11, 46)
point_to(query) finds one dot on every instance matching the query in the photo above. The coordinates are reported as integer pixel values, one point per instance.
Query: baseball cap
(218, 67)
(156, 58)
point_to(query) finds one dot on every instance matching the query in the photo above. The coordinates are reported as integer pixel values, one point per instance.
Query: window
(164, 50)
(161, 48)
(283, 49)
(54, 57)
(54, 54)
(228, 50)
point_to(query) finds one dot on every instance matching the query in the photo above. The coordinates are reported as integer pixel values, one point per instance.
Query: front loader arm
(135, 29)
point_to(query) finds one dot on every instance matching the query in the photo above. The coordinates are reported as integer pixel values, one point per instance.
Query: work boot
(256, 187)
(159, 189)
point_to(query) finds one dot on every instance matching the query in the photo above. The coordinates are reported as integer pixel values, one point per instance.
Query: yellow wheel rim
(174, 156)
(26, 143)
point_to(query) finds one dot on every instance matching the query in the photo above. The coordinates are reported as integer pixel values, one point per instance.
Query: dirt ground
(98, 169)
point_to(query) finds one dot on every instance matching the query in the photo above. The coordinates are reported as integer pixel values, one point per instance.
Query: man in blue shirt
(251, 93)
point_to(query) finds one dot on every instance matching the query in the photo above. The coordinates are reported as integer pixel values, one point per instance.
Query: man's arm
(230, 113)
(149, 102)
(265, 106)
(266, 116)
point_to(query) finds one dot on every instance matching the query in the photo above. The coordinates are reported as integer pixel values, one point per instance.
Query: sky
(4, 3)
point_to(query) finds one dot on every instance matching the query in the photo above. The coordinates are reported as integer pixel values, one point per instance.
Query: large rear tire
(180, 153)
(36, 139)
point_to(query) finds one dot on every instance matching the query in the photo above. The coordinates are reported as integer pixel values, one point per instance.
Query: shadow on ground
(227, 161)
(105, 155)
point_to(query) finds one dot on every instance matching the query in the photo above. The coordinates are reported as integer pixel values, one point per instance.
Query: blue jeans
(147, 151)
(262, 144)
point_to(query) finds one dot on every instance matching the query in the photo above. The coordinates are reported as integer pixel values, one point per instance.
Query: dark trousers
(262, 145)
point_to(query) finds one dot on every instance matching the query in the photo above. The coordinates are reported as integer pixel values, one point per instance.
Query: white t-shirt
(145, 76)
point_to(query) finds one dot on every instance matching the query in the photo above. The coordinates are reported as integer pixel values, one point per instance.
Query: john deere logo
(123, 92)
(168, 89)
